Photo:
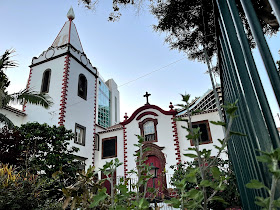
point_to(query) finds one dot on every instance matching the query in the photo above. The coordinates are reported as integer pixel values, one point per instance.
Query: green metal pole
(260, 134)
(268, 61)
(275, 4)
(239, 62)
(254, 74)
(244, 146)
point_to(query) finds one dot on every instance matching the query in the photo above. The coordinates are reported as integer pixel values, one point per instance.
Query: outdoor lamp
(154, 170)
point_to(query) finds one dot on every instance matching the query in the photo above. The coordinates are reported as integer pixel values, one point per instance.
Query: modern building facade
(108, 103)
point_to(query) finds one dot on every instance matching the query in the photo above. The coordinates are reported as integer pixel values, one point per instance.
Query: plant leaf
(101, 196)
(255, 184)
(190, 155)
(218, 123)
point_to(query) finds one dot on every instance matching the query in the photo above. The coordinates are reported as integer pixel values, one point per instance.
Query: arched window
(82, 86)
(148, 129)
(46, 81)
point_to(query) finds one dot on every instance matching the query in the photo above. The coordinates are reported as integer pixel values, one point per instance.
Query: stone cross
(147, 96)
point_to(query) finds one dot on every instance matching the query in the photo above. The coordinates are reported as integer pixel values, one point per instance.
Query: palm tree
(23, 96)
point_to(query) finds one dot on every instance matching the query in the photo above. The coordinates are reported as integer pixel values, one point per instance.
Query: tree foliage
(190, 27)
(230, 194)
(21, 97)
(198, 185)
(191, 24)
(39, 148)
(20, 190)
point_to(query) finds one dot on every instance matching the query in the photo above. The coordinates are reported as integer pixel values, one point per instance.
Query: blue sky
(123, 50)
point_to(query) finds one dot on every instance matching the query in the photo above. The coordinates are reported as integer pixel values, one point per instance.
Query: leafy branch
(272, 159)
(199, 196)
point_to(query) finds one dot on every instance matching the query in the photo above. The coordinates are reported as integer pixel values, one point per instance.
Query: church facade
(163, 135)
(88, 105)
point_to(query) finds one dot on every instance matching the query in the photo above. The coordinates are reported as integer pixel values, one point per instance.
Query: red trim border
(146, 113)
(64, 91)
(27, 87)
(125, 151)
(147, 106)
(176, 139)
(94, 124)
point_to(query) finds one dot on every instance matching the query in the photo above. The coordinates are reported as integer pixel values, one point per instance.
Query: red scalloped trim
(125, 151)
(146, 113)
(64, 91)
(176, 139)
(27, 87)
(94, 122)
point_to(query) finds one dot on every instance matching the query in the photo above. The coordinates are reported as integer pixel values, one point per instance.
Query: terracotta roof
(14, 110)
(112, 128)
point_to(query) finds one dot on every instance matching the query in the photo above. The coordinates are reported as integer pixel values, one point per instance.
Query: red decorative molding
(64, 91)
(125, 151)
(147, 106)
(146, 113)
(176, 139)
(94, 123)
(27, 87)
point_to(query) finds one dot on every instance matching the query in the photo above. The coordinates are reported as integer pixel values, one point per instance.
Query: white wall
(15, 118)
(79, 110)
(38, 113)
(99, 162)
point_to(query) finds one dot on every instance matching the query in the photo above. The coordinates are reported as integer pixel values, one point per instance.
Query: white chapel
(89, 105)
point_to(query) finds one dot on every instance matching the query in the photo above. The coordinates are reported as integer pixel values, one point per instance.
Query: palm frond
(5, 120)
(5, 60)
(31, 97)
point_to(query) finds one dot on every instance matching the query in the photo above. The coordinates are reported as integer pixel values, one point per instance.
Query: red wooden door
(107, 183)
(158, 182)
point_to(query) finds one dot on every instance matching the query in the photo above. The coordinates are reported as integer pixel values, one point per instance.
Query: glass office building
(103, 105)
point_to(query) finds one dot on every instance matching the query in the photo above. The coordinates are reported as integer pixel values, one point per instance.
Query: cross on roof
(147, 96)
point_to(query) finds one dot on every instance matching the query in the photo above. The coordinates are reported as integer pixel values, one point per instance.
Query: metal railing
(160, 196)
(241, 81)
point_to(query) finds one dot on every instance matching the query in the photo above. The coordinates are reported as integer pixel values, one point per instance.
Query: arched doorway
(156, 158)
(157, 182)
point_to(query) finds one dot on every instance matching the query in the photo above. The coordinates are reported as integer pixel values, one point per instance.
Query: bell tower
(65, 73)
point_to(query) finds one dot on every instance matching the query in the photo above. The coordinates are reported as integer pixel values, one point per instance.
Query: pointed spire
(71, 14)
(69, 34)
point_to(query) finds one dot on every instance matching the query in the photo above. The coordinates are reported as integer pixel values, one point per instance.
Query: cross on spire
(147, 97)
